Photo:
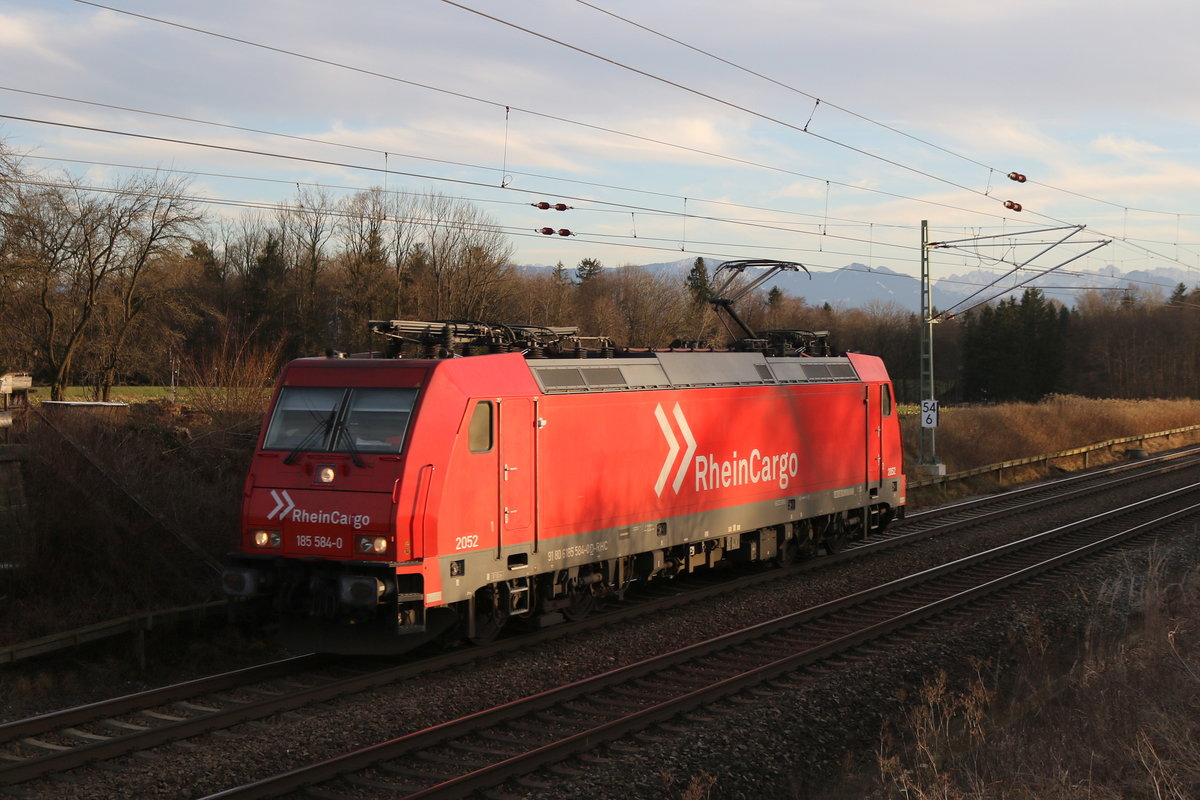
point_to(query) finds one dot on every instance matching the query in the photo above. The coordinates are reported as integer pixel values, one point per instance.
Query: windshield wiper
(322, 425)
(344, 434)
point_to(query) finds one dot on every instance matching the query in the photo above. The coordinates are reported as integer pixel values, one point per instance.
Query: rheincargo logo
(756, 468)
(673, 444)
(356, 521)
(285, 508)
(712, 473)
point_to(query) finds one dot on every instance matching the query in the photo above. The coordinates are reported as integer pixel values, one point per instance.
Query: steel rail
(976, 511)
(162, 695)
(1185, 456)
(890, 619)
(201, 719)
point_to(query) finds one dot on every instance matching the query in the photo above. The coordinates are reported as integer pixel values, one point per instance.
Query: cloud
(1110, 144)
(25, 35)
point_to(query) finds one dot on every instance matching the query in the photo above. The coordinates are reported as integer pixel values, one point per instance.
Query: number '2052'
(466, 542)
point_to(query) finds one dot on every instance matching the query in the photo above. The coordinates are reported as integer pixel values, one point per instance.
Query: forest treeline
(134, 281)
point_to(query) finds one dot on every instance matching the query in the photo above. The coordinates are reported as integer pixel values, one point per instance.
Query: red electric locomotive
(394, 498)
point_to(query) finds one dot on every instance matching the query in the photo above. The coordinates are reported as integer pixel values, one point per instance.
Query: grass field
(121, 394)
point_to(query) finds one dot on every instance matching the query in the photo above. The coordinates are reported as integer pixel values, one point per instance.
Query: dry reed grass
(975, 436)
(1121, 725)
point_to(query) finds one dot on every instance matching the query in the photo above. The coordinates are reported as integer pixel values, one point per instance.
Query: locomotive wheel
(836, 540)
(835, 543)
(788, 554)
(490, 616)
(583, 600)
(807, 551)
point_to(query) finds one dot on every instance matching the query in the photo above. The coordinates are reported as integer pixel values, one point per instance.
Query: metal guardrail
(137, 624)
(1085, 451)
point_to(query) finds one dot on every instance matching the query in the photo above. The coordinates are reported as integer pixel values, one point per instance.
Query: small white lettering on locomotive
(328, 542)
(586, 550)
(356, 521)
(755, 468)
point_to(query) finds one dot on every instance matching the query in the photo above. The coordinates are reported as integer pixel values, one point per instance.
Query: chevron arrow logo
(283, 504)
(668, 433)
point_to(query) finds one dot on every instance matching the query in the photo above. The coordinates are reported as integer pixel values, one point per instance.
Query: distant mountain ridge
(856, 285)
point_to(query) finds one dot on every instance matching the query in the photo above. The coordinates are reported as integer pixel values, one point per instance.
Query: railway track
(54, 743)
(488, 748)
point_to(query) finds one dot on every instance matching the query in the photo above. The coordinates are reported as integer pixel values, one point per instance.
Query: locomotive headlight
(372, 545)
(266, 538)
(326, 474)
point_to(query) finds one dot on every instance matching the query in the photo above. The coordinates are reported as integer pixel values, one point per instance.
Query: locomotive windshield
(321, 419)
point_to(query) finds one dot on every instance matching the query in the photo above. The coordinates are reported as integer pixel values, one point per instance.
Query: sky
(817, 131)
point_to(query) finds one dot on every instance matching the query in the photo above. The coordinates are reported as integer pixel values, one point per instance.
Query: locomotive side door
(875, 414)
(516, 469)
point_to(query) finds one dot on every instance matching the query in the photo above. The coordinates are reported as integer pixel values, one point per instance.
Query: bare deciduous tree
(74, 249)
(306, 226)
(464, 259)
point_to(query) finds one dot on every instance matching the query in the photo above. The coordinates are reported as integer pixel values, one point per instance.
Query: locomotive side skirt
(731, 530)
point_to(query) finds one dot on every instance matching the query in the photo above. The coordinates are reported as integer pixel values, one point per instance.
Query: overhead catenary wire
(666, 245)
(949, 312)
(599, 238)
(386, 171)
(664, 212)
(834, 221)
(368, 168)
(509, 107)
(300, 158)
(603, 236)
(651, 140)
(863, 117)
(346, 165)
(804, 130)
(722, 101)
(562, 119)
(499, 104)
(542, 176)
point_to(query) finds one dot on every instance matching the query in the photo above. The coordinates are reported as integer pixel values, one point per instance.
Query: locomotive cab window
(320, 419)
(479, 433)
(885, 400)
